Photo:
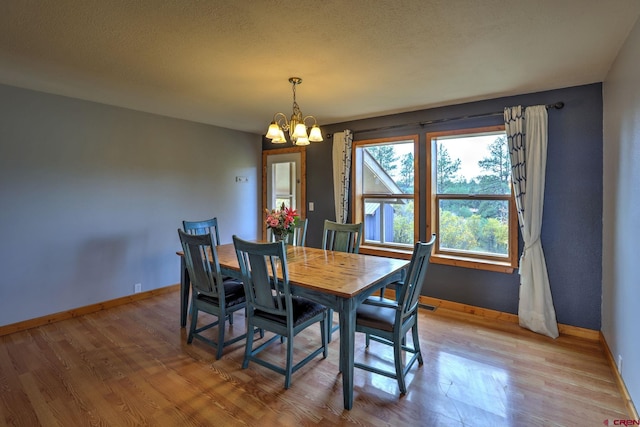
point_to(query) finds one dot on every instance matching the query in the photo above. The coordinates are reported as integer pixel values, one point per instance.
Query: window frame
(460, 258)
(358, 197)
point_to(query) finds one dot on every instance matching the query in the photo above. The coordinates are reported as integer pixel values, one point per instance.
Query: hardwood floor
(130, 365)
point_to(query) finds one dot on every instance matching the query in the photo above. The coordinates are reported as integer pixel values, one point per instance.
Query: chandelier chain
(296, 108)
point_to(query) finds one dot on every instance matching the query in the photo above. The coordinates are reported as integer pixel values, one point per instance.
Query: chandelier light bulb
(274, 130)
(315, 135)
(300, 131)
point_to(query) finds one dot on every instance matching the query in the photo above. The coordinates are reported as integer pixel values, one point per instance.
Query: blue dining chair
(210, 293)
(207, 226)
(389, 321)
(342, 238)
(272, 307)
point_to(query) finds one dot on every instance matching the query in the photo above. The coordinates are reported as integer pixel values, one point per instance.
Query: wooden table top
(337, 273)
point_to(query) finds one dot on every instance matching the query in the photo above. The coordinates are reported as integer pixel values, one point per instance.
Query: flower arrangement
(281, 221)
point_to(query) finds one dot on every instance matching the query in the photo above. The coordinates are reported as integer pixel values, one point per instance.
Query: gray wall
(621, 234)
(91, 197)
(572, 228)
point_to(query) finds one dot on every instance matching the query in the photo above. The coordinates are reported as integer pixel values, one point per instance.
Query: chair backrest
(208, 226)
(299, 235)
(265, 276)
(201, 258)
(341, 237)
(409, 292)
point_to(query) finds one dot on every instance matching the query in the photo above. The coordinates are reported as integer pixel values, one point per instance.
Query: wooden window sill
(387, 252)
(473, 263)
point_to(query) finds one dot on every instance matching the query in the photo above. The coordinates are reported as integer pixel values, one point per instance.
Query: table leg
(347, 315)
(184, 292)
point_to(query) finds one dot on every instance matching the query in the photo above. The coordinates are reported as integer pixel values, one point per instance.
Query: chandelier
(296, 126)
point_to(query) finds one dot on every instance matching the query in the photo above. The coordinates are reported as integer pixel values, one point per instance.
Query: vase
(279, 235)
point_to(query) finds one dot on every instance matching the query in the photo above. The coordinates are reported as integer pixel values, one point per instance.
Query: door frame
(302, 208)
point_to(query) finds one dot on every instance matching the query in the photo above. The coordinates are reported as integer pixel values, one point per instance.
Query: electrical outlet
(620, 364)
(242, 179)
(137, 288)
(311, 206)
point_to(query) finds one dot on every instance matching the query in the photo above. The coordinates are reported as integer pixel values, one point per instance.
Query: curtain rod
(556, 105)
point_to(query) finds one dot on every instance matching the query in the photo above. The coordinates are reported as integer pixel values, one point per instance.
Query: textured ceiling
(227, 63)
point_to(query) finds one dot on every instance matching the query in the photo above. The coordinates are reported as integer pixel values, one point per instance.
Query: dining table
(339, 280)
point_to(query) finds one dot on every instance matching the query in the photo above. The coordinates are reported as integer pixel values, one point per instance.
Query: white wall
(91, 197)
(621, 213)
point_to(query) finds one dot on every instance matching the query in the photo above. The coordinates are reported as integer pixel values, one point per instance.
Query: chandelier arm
(304, 120)
(281, 120)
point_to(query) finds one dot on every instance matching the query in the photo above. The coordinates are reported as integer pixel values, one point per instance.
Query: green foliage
(454, 232)
(475, 233)
(403, 223)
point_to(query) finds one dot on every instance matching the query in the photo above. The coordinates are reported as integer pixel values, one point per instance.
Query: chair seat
(375, 316)
(303, 310)
(377, 299)
(233, 294)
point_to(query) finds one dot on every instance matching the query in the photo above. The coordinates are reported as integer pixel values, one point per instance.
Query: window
(471, 208)
(466, 191)
(384, 188)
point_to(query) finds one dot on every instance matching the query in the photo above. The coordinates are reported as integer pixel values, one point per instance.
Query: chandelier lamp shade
(296, 126)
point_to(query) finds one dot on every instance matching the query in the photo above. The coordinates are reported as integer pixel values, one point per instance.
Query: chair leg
(248, 345)
(397, 356)
(330, 328)
(221, 326)
(246, 316)
(323, 336)
(416, 342)
(194, 322)
(230, 318)
(289, 367)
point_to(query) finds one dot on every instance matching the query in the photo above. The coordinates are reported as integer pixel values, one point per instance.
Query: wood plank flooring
(130, 365)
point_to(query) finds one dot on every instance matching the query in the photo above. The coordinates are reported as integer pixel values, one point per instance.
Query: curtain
(341, 173)
(527, 137)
